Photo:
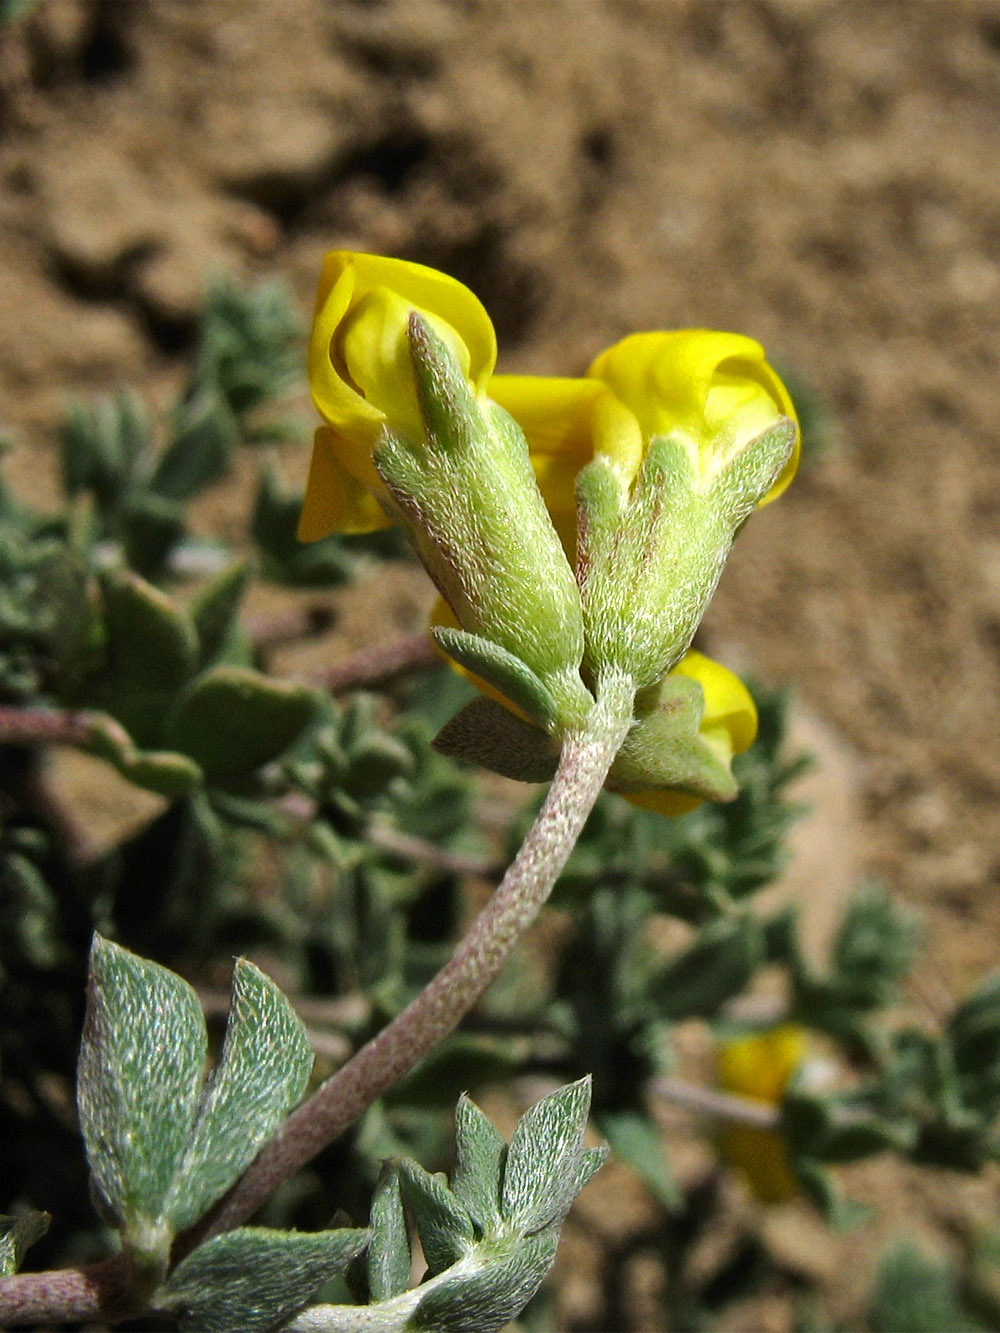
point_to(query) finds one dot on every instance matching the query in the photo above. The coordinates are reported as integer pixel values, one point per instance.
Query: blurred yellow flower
(761, 1066)
(362, 379)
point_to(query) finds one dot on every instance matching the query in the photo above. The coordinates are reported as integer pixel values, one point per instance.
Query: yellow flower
(566, 421)
(362, 379)
(761, 1066)
(728, 726)
(714, 389)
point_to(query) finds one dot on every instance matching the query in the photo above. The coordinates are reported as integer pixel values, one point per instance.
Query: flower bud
(688, 728)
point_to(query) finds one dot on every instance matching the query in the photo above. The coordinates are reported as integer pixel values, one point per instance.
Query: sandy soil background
(822, 176)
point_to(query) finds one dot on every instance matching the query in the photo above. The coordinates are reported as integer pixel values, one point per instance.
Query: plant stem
(719, 1105)
(374, 666)
(586, 756)
(45, 726)
(98, 1291)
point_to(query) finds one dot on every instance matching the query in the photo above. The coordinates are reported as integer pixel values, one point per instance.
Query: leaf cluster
(164, 1144)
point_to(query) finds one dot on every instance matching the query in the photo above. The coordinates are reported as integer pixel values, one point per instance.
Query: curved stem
(586, 756)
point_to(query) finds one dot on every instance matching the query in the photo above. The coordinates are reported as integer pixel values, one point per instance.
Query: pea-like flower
(715, 391)
(400, 357)
(362, 376)
(648, 466)
(671, 768)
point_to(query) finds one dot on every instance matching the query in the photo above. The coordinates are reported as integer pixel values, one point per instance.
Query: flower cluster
(596, 544)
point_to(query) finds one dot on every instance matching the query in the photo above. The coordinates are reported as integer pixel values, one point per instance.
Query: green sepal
(466, 492)
(738, 486)
(513, 678)
(665, 749)
(452, 416)
(649, 560)
(487, 734)
(650, 556)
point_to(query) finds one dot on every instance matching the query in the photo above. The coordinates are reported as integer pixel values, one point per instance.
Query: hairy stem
(98, 1291)
(107, 1290)
(587, 755)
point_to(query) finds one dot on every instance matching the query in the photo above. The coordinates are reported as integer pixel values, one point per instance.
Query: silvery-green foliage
(16, 1235)
(163, 1145)
(253, 1279)
(489, 1236)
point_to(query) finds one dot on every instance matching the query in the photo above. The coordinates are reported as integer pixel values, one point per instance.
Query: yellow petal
(373, 343)
(664, 802)
(346, 280)
(361, 377)
(729, 706)
(761, 1064)
(335, 501)
(566, 422)
(443, 616)
(715, 388)
(424, 289)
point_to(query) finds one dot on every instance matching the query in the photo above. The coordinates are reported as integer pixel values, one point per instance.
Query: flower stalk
(586, 757)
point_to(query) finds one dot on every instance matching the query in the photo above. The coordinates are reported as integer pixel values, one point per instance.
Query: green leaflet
(163, 1146)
